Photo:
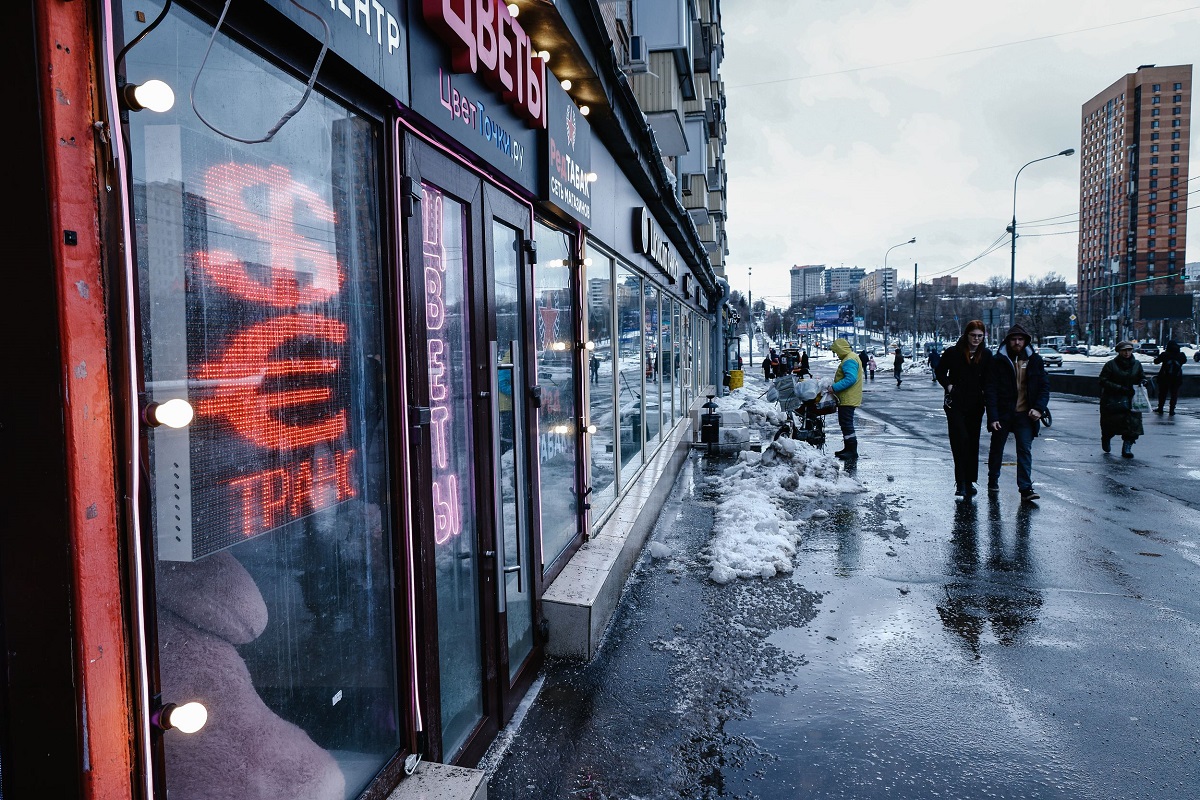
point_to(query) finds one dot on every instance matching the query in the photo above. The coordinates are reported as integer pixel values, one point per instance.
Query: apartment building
(878, 284)
(807, 281)
(1133, 198)
(843, 281)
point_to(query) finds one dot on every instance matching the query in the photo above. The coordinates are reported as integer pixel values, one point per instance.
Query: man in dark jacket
(1170, 375)
(1016, 396)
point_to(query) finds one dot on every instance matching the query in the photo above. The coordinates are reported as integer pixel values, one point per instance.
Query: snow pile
(755, 535)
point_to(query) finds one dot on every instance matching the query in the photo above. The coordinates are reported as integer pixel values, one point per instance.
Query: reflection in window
(601, 383)
(259, 274)
(629, 369)
(676, 360)
(653, 396)
(557, 356)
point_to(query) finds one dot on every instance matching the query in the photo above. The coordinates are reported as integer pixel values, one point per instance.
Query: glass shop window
(557, 357)
(676, 361)
(601, 384)
(261, 306)
(629, 369)
(653, 360)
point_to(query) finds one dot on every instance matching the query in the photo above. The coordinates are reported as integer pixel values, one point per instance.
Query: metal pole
(915, 326)
(1012, 281)
(886, 293)
(750, 294)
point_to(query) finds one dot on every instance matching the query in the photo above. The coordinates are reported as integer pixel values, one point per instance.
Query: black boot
(1127, 449)
(849, 450)
(1106, 444)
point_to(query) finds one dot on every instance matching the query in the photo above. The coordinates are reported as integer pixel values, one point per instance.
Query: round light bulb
(589, 345)
(585, 110)
(544, 55)
(175, 413)
(591, 429)
(154, 95)
(187, 718)
(566, 84)
(562, 430)
(559, 346)
(514, 10)
(587, 262)
(591, 176)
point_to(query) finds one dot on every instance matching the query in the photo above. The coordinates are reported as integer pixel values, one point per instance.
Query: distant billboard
(1166, 306)
(831, 315)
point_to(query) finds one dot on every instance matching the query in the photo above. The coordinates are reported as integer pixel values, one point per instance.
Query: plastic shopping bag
(1141, 400)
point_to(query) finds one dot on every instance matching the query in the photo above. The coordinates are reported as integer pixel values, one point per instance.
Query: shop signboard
(567, 175)
(493, 102)
(371, 37)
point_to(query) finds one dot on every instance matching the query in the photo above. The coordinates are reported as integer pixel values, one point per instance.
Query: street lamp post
(885, 288)
(1012, 282)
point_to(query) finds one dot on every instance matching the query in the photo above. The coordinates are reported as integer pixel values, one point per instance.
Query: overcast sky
(856, 125)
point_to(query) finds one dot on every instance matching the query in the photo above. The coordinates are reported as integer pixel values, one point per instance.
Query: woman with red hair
(961, 372)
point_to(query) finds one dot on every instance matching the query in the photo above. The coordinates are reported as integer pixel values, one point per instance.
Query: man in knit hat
(1016, 395)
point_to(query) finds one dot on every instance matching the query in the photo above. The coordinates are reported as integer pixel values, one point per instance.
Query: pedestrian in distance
(934, 358)
(1170, 375)
(961, 371)
(871, 365)
(862, 357)
(594, 365)
(804, 364)
(897, 365)
(1016, 396)
(847, 385)
(1117, 417)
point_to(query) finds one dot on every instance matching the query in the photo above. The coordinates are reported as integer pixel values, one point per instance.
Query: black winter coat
(1000, 387)
(964, 379)
(1117, 379)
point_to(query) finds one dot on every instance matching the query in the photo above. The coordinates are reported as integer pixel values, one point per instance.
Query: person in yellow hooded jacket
(847, 385)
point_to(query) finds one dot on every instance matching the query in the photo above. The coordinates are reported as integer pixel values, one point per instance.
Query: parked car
(1148, 349)
(1050, 356)
(1073, 350)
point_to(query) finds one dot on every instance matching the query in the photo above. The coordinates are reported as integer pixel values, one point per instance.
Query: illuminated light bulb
(562, 430)
(514, 10)
(187, 718)
(591, 429)
(544, 55)
(585, 110)
(587, 262)
(566, 84)
(591, 176)
(559, 346)
(153, 95)
(173, 413)
(589, 345)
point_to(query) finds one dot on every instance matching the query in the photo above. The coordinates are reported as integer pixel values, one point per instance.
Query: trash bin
(736, 377)
(710, 423)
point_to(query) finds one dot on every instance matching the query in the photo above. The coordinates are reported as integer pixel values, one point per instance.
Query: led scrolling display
(270, 445)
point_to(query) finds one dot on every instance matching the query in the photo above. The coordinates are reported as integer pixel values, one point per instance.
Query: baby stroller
(804, 404)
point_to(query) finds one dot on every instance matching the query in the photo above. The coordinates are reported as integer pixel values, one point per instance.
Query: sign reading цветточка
(649, 240)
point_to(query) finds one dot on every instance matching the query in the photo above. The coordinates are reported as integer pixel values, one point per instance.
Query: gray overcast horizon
(853, 126)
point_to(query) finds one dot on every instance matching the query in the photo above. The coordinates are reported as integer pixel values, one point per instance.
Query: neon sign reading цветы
(447, 514)
(271, 445)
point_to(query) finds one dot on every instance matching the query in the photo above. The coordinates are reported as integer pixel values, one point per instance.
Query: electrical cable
(129, 45)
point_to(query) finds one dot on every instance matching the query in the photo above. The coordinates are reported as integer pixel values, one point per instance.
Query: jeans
(846, 421)
(1022, 428)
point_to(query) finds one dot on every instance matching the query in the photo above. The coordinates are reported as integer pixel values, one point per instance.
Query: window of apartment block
(1153, 184)
(1153, 159)
(1175, 135)
(1151, 231)
(1177, 98)
(1155, 112)
(1176, 110)
(1174, 193)
(1171, 242)
(1154, 136)
(1177, 86)
(1156, 87)
(1174, 207)
(1155, 101)
(1154, 195)
(1171, 231)
(1154, 124)
(1153, 148)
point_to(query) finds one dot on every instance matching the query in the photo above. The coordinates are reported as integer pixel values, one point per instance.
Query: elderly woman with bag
(1118, 380)
(961, 371)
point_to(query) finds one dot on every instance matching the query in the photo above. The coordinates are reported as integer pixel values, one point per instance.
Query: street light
(1012, 282)
(885, 289)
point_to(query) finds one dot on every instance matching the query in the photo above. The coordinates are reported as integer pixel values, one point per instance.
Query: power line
(960, 52)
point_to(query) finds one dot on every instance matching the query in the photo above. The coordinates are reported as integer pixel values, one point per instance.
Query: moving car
(1148, 349)
(1073, 350)
(1050, 356)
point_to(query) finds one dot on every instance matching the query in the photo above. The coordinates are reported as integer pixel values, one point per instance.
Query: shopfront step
(434, 781)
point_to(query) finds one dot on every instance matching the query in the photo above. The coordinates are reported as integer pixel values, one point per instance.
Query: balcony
(695, 194)
(659, 94)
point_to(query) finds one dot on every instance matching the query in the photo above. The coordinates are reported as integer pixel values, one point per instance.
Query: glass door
(471, 459)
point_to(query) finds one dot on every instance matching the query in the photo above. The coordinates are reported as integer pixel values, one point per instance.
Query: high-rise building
(1133, 198)
(878, 284)
(807, 281)
(843, 281)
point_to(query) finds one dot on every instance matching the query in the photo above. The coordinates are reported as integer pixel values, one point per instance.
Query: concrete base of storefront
(442, 782)
(582, 599)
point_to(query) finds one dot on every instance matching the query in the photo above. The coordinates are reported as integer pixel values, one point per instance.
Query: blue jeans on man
(1023, 429)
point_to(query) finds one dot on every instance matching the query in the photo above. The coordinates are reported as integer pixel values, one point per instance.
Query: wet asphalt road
(923, 647)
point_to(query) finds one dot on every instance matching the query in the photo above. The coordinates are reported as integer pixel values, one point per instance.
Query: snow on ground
(755, 534)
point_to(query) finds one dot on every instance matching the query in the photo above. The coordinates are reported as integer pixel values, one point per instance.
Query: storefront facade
(348, 337)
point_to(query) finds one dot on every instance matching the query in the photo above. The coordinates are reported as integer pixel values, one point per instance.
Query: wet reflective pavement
(923, 648)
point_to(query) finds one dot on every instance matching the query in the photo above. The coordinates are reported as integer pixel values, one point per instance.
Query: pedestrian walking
(804, 364)
(961, 371)
(1016, 396)
(1117, 418)
(847, 385)
(871, 365)
(1170, 375)
(594, 364)
(934, 358)
(897, 363)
